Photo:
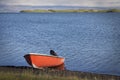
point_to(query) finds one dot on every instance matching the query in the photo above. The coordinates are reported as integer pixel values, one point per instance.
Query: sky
(85, 3)
(13, 5)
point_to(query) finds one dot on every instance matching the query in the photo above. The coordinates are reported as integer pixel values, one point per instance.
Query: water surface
(90, 42)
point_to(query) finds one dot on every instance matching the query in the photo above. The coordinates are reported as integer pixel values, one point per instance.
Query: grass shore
(69, 10)
(28, 73)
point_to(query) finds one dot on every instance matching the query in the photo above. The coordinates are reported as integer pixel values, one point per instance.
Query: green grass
(13, 73)
(30, 76)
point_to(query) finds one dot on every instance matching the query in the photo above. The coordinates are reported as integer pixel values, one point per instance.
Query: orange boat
(42, 61)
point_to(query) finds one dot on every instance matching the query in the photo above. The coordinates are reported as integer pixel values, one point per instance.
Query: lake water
(90, 42)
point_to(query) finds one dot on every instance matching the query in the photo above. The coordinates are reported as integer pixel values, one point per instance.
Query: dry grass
(20, 73)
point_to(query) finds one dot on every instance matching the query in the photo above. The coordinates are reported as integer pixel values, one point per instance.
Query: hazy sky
(85, 3)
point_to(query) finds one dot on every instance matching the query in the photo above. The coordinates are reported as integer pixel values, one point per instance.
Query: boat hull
(42, 61)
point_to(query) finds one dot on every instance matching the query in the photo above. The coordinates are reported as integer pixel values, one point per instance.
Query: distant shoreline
(68, 10)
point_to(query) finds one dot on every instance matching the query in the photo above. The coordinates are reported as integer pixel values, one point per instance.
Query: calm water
(90, 42)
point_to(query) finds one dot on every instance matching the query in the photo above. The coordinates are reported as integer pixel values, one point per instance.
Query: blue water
(90, 42)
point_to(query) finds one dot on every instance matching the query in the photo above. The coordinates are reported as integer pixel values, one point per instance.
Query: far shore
(29, 73)
(70, 10)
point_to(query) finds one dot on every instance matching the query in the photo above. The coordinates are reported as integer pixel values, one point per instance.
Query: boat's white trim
(37, 66)
(45, 55)
(34, 66)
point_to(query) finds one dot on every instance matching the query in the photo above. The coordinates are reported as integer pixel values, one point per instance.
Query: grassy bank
(27, 73)
(69, 10)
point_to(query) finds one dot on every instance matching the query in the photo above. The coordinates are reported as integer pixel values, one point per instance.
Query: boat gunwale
(38, 54)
